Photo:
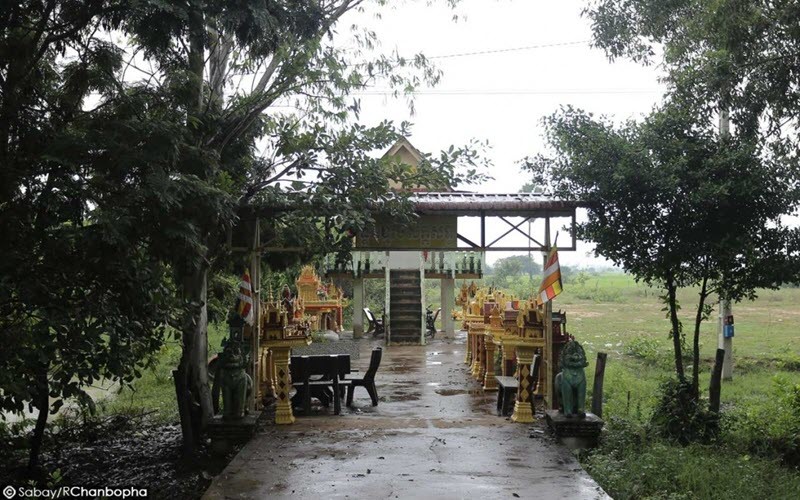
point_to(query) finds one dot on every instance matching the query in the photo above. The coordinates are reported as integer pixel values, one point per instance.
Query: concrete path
(434, 434)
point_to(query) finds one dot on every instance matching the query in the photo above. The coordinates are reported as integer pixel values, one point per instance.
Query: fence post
(597, 391)
(714, 385)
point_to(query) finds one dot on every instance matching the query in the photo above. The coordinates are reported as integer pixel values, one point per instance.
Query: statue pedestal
(226, 434)
(576, 433)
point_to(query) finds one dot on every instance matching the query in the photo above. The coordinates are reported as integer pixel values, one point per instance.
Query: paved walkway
(433, 435)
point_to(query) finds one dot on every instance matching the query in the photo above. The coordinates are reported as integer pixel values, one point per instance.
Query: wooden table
(332, 369)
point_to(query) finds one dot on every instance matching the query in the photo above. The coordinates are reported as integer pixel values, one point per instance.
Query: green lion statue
(236, 383)
(571, 381)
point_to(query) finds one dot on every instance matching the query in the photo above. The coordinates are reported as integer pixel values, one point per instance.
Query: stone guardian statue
(570, 383)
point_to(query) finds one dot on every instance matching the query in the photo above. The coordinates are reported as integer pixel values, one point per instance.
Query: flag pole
(548, 326)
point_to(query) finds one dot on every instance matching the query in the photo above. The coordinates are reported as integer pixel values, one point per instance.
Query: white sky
(502, 97)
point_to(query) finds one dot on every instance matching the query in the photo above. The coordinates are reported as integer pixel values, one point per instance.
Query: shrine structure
(449, 240)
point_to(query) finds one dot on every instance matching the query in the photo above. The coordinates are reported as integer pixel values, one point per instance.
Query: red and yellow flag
(551, 283)
(246, 298)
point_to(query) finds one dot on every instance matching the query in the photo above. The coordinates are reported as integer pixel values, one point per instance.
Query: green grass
(155, 391)
(614, 314)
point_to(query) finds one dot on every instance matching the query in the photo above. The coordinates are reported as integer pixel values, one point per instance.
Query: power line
(501, 92)
(512, 49)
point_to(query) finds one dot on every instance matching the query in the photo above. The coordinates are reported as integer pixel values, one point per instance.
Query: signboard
(429, 232)
(727, 328)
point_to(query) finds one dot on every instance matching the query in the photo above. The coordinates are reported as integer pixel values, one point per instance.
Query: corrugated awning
(475, 204)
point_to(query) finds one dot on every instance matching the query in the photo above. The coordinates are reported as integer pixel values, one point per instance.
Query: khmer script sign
(427, 233)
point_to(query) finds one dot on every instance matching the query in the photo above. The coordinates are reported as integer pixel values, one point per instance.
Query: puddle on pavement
(455, 392)
(404, 397)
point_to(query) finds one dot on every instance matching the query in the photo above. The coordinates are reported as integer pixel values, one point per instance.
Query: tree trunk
(193, 393)
(696, 344)
(676, 328)
(42, 403)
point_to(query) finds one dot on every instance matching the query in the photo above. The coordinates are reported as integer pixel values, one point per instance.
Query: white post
(422, 298)
(725, 309)
(358, 308)
(448, 287)
(387, 325)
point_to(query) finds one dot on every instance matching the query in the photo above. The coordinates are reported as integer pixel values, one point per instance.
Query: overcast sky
(501, 95)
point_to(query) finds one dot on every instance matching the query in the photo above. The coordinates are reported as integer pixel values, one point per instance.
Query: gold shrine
(322, 302)
(496, 321)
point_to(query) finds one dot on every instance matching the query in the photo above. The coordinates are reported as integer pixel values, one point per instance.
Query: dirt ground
(435, 434)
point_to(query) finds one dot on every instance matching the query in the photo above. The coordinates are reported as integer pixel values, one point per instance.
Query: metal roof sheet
(503, 203)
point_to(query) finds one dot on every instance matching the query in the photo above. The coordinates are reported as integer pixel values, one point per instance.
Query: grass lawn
(155, 391)
(614, 314)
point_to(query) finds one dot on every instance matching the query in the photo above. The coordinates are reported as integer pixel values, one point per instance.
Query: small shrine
(322, 302)
(278, 336)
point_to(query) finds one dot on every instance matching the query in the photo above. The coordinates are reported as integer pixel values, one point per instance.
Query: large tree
(81, 296)
(730, 54)
(219, 69)
(676, 206)
(133, 134)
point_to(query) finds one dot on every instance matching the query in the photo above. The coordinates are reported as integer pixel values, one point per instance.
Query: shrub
(682, 417)
(644, 348)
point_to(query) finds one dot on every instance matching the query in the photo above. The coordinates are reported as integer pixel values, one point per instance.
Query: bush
(682, 417)
(770, 429)
(644, 348)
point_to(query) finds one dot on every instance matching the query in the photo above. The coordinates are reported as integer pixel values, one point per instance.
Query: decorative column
(481, 357)
(523, 406)
(489, 382)
(477, 359)
(447, 299)
(283, 410)
(358, 308)
(468, 348)
(505, 359)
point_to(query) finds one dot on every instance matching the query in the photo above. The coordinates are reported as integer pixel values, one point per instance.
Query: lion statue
(571, 381)
(236, 383)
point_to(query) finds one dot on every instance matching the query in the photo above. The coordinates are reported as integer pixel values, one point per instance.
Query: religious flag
(551, 283)
(246, 299)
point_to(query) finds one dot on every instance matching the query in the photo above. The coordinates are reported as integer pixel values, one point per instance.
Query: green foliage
(643, 348)
(628, 467)
(734, 54)
(681, 416)
(131, 147)
(768, 428)
(676, 206)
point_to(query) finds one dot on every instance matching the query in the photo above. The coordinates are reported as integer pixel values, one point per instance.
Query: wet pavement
(435, 434)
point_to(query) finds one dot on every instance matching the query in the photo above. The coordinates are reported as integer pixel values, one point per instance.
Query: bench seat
(506, 394)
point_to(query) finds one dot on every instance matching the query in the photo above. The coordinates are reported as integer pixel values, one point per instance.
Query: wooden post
(597, 391)
(714, 385)
(358, 308)
(255, 331)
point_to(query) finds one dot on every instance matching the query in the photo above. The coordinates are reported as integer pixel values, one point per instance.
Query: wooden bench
(507, 389)
(506, 394)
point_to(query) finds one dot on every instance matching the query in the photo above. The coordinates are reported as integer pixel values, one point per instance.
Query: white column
(387, 305)
(725, 310)
(358, 308)
(447, 287)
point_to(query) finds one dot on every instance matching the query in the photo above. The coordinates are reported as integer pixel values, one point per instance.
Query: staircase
(405, 307)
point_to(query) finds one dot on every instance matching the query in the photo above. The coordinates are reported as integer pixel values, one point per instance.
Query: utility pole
(725, 327)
